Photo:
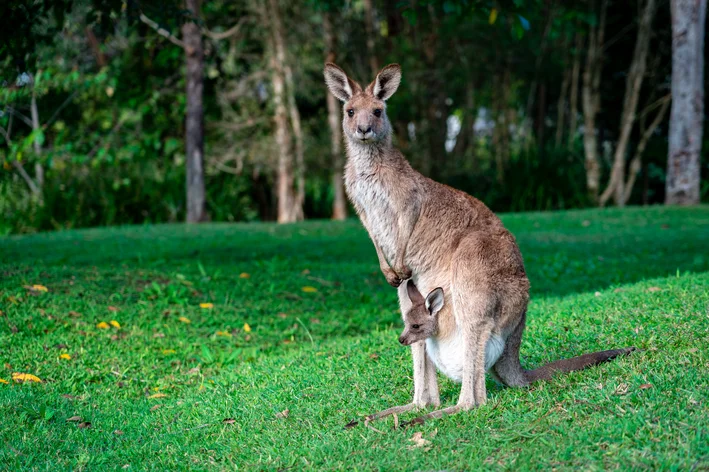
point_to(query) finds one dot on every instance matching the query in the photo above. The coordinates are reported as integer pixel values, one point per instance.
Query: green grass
(600, 279)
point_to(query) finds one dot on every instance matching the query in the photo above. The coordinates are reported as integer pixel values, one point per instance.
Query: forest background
(126, 112)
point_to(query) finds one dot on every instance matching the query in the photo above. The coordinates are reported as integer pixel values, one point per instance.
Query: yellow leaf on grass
(247, 328)
(184, 319)
(224, 333)
(244, 275)
(206, 305)
(64, 356)
(168, 351)
(115, 324)
(309, 289)
(19, 377)
(3, 381)
(157, 395)
(102, 325)
(39, 288)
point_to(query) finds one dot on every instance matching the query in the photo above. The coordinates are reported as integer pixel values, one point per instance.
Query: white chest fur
(372, 198)
(449, 354)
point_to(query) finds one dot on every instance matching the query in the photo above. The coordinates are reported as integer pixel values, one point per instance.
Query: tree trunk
(687, 115)
(371, 35)
(633, 84)
(38, 168)
(299, 151)
(574, 96)
(636, 163)
(591, 97)
(561, 108)
(339, 204)
(194, 122)
(286, 194)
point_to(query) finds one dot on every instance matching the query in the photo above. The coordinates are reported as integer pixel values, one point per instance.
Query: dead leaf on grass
(157, 395)
(247, 328)
(115, 324)
(153, 408)
(74, 418)
(65, 356)
(184, 319)
(112, 308)
(654, 289)
(309, 289)
(102, 325)
(645, 386)
(621, 389)
(3, 381)
(118, 432)
(228, 421)
(283, 414)
(20, 377)
(85, 424)
(351, 424)
(244, 275)
(419, 441)
(74, 314)
(225, 334)
(206, 306)
(158, 335)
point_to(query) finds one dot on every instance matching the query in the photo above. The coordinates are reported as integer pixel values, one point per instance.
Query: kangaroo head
(364, 121)
(421, 321)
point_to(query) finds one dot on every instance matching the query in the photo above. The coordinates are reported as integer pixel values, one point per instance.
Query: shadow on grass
(565, 252)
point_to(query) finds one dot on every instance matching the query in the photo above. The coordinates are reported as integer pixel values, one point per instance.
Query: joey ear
(387, 81)
(414, 294)
(341, 86)
(434, 301)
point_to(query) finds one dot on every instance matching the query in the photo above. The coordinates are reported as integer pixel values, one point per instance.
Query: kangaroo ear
(387, 81)
(434, 301)
(341, 86)
(414, 294)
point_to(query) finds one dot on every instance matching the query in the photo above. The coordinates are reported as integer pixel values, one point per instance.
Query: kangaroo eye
(377, 113)
(350, 112)
(416, 326)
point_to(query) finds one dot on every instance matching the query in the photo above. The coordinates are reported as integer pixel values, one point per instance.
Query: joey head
(421, 320)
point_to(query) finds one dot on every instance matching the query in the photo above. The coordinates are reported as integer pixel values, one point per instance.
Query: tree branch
(225, 34)
(24, 118)
(61, 107)
(647, 133)
(161, 31)
(20, 169)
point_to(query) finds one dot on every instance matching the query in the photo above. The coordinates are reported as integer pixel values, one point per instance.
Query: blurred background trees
(121, 112)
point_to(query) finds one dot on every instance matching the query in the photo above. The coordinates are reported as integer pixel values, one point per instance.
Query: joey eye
(350, 112)
(378, 112)
(416, 326)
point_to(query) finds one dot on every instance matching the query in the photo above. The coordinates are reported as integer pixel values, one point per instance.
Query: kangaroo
(439, 237)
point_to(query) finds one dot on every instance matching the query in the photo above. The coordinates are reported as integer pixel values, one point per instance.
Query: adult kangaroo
(442, 238)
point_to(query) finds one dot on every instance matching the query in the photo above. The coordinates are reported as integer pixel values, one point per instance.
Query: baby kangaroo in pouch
(442, 239)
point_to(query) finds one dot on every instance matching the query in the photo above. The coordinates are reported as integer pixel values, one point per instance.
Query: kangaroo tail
(547, 371)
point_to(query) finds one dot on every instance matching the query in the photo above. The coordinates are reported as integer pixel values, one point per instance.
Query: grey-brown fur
(439, 237)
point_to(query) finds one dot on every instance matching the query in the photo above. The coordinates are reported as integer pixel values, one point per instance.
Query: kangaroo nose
(364, 131)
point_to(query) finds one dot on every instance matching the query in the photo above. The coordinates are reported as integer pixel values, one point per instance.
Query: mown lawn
(301, 338)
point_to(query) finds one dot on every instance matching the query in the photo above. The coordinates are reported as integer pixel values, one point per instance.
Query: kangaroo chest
(449, 354)
(373, 200)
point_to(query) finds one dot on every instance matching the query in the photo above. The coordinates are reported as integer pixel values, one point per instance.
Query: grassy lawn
(301, 338)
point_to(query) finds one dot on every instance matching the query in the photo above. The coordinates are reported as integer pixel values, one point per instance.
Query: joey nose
(402, 340)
